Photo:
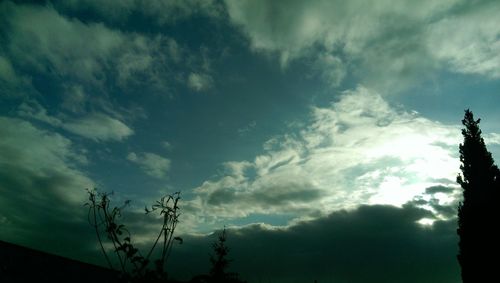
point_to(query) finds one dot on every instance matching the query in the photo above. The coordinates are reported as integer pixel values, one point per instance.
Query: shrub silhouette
(478, 212)
(134, 267)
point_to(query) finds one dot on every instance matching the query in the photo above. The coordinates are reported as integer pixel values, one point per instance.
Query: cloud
(62, 44)
(247, 128)
(294, 27)
(167, 146)
(492, 139)
(443, 201)
(359, 150)
(147, 63)
(83, 61)
(438, 189)
(12, 84)
(385, 242)
(41, 40)
(475, 47)
(151, 163)
(7, 72)
(199, 82)
(94, 126)
(158, 11)
(33, 110)
(382, 44)
(43, 189)
(331, 68)
(99, 127)
(74, 99)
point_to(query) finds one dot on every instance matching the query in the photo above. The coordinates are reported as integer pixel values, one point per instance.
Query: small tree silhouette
(133, 265)
(220, 262)
(219, 259)
(478, 212)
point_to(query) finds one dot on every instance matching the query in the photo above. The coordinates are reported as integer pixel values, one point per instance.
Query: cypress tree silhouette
(478, 211)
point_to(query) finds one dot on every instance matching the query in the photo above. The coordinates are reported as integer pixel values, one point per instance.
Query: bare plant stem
(126, 253)
(112, 235)
(99, 238)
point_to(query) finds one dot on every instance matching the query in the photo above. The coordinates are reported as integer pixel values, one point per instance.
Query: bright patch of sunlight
(426, 222)
(425, 163)
(394, 191)
(426, 160)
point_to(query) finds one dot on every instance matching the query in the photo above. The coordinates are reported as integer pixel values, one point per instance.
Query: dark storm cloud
(369, 244)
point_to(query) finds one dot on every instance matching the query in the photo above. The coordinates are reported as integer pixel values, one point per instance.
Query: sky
(323, 134)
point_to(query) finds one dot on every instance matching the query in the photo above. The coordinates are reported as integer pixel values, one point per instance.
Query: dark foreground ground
(21, 264)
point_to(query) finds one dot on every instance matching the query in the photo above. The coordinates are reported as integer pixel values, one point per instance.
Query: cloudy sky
(323, 134)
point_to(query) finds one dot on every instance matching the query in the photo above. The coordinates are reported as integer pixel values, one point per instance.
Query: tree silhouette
(220, 262)
(219, 259)
(478, 212)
